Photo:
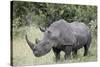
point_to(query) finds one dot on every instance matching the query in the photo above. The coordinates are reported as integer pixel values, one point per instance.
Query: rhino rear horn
(31, 45)
(42, 29)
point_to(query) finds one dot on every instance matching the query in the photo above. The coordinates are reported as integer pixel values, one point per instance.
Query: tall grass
(22, 54)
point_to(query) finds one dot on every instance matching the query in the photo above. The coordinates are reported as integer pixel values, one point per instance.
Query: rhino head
(43, 46)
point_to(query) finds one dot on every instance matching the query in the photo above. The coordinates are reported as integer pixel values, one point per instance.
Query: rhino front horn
(31, 45)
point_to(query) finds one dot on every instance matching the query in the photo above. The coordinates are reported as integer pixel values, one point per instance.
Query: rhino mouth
(37, 55)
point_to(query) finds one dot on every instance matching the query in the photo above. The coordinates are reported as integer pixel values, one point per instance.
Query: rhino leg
(67, 51)
(57, 54)
(86, 46)
(74, 53)
(86, 50)
(67, 55)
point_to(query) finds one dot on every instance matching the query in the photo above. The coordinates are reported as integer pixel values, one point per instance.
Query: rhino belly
(81, 41)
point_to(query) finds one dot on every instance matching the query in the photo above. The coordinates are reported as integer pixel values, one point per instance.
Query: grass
(22, 54)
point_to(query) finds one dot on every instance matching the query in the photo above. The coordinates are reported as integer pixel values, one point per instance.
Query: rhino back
(66, 36)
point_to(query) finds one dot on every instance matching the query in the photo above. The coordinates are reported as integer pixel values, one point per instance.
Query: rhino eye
(49, 32)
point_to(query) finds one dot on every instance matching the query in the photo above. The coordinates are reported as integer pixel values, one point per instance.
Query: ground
(22, 54)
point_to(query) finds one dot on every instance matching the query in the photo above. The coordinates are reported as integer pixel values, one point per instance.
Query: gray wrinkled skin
(63, 36)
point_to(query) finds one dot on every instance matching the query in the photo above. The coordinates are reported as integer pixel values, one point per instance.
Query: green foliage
(46, 13)
(93, 27)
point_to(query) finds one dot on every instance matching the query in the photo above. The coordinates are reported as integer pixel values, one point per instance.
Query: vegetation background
(26, 18)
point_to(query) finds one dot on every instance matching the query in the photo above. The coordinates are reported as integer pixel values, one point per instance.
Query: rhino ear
(42, 29)
(37, 41)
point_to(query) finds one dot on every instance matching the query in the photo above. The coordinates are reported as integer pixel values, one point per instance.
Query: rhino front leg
(67, 55)
(67, 51)
(74, 53)
(57, 54)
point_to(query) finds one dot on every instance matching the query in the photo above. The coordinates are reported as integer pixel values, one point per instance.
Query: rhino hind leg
(86, 50)
(87, 46)
(57, 54)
